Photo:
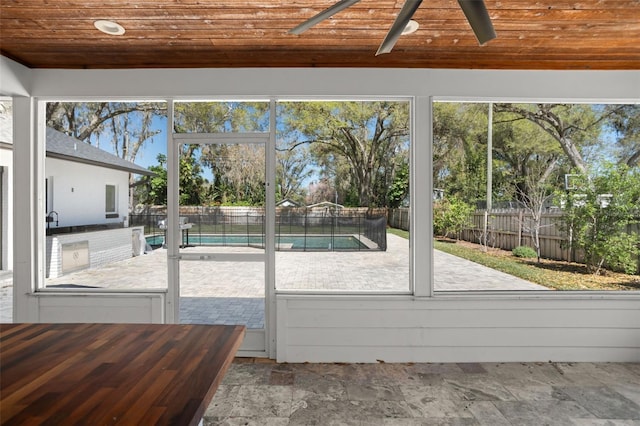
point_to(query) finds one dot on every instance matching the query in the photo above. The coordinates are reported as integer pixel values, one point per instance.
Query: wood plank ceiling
(586, 34)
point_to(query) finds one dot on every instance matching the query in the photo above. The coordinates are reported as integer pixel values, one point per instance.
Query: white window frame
(115, 199)
(519, 294)
(421, 85)
(413, 288)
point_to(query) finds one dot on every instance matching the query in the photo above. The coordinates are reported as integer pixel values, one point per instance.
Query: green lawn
(399, 232)
(557, 275)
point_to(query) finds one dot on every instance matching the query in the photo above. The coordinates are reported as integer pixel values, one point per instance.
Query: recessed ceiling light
(412, 27)
(109, 27)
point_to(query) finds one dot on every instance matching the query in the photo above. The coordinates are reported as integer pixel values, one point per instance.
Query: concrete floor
(233, 293)
(260, 393)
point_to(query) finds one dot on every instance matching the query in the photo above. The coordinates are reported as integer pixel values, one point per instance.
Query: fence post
(520, 219)
(306, 212)
(485, 229)
(359, 229)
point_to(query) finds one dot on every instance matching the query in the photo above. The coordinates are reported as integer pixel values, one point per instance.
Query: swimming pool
(283, 242)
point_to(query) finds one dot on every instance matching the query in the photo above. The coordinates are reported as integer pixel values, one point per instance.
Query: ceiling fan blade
(403, 18)
(327, 13)
(478, 17)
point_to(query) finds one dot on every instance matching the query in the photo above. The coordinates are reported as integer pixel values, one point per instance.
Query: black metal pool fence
(367, 226)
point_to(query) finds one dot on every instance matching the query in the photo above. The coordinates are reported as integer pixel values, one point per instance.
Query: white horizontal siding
(463, 336)
(467, 318)
(374, 354)
(351, 329)
(101, 308)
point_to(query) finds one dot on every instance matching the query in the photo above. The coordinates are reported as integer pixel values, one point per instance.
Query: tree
(354, 143)
(450, 216)
(535, 194)
(460, 149)
(244, 174)
(624, 120)
(191, 182)
(525, 157)
(571, 125)
(291, 172)
(129, 123)
(399, 189)
(530, 143)
(597, 214)
(153, 189)
(320, 191)
(234, 178)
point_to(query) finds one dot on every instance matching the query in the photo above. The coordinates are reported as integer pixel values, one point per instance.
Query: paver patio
(231, 292)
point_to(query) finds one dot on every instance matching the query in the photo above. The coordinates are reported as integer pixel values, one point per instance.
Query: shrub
(524, 252)
(599, 228)
(450, 216)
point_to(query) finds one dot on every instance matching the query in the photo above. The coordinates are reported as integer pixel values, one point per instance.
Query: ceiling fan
(474, 10)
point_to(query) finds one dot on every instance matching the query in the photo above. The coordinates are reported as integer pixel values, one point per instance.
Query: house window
(48, 194)
(110, 201)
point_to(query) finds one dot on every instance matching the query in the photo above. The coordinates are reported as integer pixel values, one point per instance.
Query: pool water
(286, 242)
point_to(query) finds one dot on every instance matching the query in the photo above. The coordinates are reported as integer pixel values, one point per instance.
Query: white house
(287, 202)
(87, 205)
(86, 189)
(84, 184)
(6, 185)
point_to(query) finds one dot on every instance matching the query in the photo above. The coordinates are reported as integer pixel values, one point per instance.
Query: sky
(147, 156)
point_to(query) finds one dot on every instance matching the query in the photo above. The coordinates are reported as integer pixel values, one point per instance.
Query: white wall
(104, 247)
(79, 192)
(446, 329)
(484, 327)
(6, 161)
(313, 82)
(68, 307)
(15, 79)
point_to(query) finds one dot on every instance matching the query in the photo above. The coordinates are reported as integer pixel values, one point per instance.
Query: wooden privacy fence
(509, 229)
(512, 228)
(398, 218)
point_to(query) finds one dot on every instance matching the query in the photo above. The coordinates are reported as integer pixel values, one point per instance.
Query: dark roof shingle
(68, 148)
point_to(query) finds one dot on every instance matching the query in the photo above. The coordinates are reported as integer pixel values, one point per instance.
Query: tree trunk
(553, 125)
(572, 152)
(634, 160)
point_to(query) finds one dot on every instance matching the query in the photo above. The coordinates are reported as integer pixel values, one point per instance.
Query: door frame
(260, 343)
(2, 218)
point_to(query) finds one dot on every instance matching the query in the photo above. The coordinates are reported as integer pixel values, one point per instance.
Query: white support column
(28, 213)
(172, 232)
(421, 188)
(490, 159)
(270, 239)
